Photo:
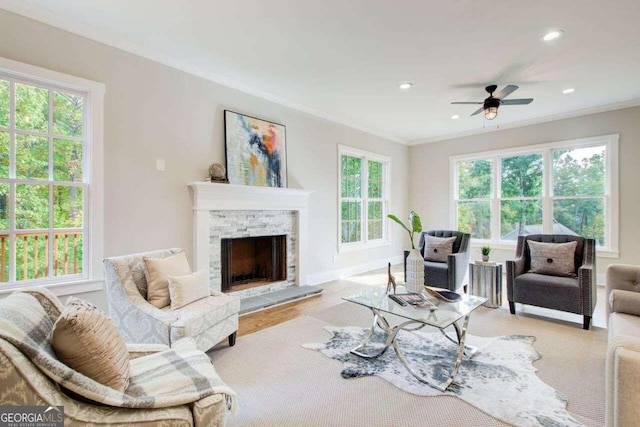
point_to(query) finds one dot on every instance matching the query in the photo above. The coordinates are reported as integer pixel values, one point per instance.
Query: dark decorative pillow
(554, 259)
(437, 249)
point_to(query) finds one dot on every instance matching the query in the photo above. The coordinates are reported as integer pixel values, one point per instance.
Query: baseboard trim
(341, 273)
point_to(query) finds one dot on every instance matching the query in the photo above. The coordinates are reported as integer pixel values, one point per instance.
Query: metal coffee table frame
(392, 331)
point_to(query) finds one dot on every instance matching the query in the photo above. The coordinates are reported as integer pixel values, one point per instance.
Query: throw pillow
(187, 289)
(554, 259)
(158, 271)
(438, 249)
(86, 340)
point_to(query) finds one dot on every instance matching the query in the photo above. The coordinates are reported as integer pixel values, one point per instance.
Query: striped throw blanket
(180, 375)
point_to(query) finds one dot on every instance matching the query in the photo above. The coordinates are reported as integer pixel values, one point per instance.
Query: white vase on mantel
(414, 281)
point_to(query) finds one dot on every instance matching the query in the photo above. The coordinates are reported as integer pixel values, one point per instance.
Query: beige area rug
(279, 383)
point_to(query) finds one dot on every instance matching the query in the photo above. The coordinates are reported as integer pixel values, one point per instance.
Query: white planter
(415, 272)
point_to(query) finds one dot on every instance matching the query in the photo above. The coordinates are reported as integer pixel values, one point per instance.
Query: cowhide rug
(499, 380)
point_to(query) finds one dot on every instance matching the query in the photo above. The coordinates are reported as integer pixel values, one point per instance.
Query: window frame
(611, 193)
(91, 278)
(364, 242)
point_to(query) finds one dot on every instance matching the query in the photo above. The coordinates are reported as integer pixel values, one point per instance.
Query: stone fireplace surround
(226, 210)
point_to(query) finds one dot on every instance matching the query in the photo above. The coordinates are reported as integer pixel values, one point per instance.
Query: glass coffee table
(443, 315)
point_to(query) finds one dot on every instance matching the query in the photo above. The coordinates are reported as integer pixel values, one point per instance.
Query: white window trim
(364, 244)
(612, 214)
(94, 159)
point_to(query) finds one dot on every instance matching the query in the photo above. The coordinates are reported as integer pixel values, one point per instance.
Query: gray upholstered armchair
(573, 294)
(449, 274)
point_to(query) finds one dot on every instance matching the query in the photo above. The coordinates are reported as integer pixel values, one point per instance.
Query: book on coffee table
(413, 300)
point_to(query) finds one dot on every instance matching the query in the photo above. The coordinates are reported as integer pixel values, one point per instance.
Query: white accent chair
(207, 321)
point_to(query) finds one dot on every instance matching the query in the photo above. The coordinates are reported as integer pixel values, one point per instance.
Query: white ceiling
(344, 59)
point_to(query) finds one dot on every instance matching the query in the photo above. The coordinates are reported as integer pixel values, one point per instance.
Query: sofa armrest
(515, 267)
(51, 304)
(622, 377)
(457, 264)
(621, 276)
(140, 350)
(624, 302)
(517, 264)
(137, 319)
(210, 411)
(587, 281)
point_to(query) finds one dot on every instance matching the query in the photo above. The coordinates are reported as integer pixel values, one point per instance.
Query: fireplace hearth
(253, 261)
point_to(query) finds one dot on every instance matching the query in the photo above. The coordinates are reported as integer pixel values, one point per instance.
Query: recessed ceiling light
(405, 86)
(552, 35)
(569, 90)
(455, 117)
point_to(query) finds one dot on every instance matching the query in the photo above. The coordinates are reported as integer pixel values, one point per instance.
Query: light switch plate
(160, 165)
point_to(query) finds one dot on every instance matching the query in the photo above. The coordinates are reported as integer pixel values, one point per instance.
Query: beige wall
(153, 111)
(429, 166)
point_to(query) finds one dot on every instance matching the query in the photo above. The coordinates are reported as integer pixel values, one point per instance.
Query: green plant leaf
(396, 219)
(416, 224)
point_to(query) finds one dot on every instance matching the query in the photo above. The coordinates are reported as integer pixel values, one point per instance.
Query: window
(50, 155)
(363, 198)
(520, 195)
(562, 188)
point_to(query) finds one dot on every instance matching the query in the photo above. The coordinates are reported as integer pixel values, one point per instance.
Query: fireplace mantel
(209, 197)
(215, 197)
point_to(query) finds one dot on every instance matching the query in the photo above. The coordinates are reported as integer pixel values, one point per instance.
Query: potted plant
(486, 250)
(414, 275)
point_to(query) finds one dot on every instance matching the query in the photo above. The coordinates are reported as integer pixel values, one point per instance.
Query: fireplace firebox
(253, 261)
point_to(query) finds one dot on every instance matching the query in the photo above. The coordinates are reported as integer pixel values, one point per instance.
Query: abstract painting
(256, 151)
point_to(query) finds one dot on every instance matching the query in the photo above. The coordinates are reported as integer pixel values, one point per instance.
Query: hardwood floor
(329, 297)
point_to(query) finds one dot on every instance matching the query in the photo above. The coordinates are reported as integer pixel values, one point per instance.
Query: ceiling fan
(490, 105)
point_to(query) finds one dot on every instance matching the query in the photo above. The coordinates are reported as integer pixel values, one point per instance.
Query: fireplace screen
(253, 261)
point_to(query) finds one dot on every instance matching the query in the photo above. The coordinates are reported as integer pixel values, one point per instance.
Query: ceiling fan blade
(504, 92)
(522, 101)
(478, 111)
(474, 103)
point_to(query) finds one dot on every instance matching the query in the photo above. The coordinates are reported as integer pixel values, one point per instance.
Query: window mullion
(496, 189)
(12, 233)
(12, 186)
(12, 130)
(364, 213)
(547, 192)
(51, 272)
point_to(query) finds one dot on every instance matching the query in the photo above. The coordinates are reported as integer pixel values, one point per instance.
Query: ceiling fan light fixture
(405, 85)
(455, 117)
(552, 35)
(490, 113)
